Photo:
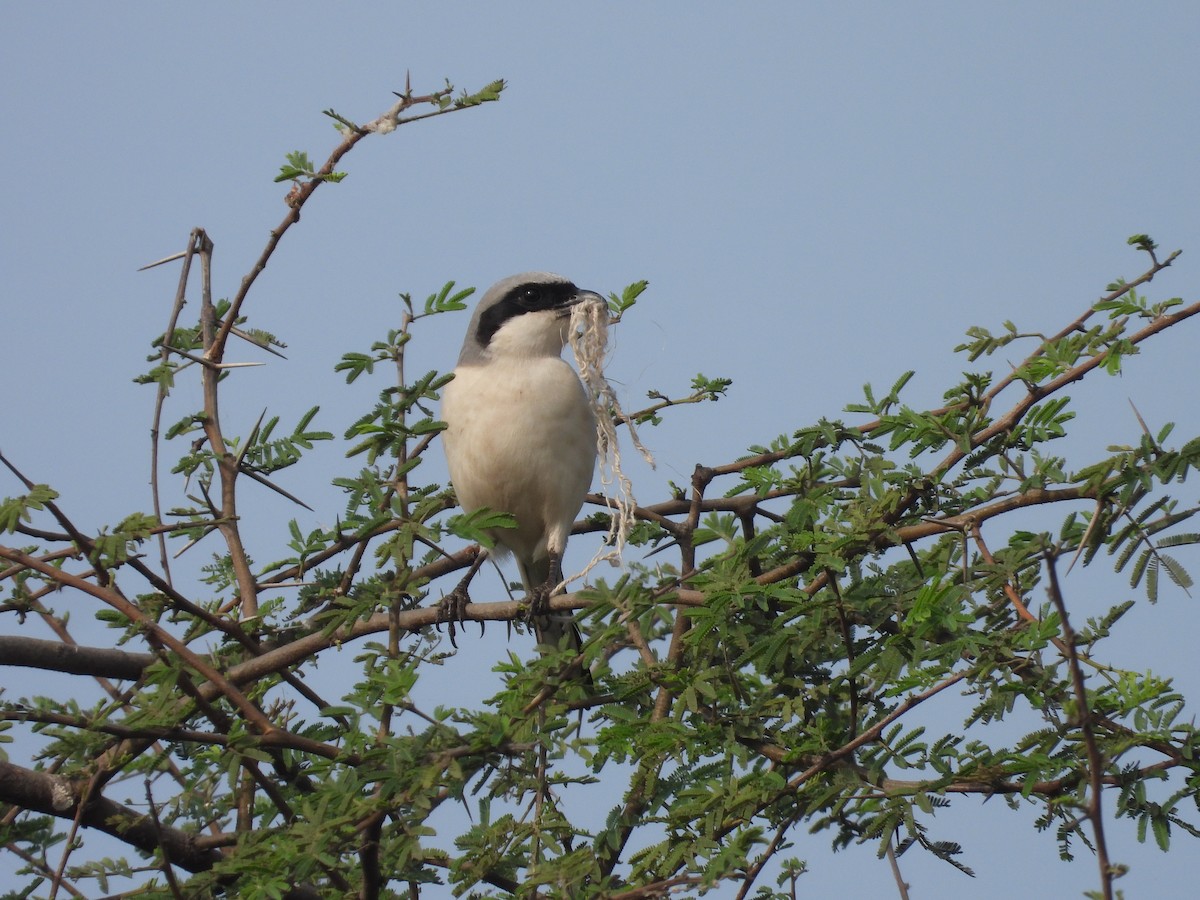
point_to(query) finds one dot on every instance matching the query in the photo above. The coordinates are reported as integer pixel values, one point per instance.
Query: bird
(520, 436)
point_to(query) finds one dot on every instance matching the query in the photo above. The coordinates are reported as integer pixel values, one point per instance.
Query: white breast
(521, 439)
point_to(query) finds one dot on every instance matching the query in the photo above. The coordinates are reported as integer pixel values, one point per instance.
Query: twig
(894, 863)
(195, 241)
(539, 797)
(755, 870)
(227, 465)
(167, 869)
(69, 844)
(1095, 766)
(113, 598)
(1009, 591)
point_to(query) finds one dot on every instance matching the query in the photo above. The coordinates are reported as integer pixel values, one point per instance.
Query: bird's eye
(531, 296)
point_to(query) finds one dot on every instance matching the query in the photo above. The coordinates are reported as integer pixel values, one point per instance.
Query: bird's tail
(557, 630)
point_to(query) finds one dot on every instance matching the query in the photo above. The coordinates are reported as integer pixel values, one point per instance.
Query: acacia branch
(73, 659)
(113, 598)
(62, 797)
(223, 678)
(304, 190)
(1095, 767)
(195, 241)
(869, 428)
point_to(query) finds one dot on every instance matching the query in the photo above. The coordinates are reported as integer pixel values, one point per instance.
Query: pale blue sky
(820, 196)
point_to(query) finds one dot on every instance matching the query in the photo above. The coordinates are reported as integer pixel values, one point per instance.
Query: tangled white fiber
(589, 342)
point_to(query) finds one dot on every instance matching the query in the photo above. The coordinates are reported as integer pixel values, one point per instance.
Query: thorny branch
(98, 583)
(218, 703)
(1083, 714)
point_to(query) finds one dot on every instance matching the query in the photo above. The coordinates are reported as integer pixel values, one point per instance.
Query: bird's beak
(583, 297)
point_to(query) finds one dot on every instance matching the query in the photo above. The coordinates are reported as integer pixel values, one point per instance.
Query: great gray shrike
(520, 434)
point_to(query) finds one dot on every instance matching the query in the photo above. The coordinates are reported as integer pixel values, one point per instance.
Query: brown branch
(273, 660)
(894, 864)
(166, 867)
(1018, 604)
(194, 241)
(868, 428)
(296, 650)
(113, 598)
(227, 462)
(755, 869)
(61, 797)
(216, 338)
(303, 191)
(663, 402)
(656, 889)
(637, 796)
(1078, 324)
(1055, 787)
(38, 865)
(73, 659)
(1036, 393)
(875, 730)
(910, 533)
(84, 723)
(1095, 767)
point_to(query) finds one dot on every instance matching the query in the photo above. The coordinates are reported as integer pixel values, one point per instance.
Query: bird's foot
(538, 600)
(452, 609)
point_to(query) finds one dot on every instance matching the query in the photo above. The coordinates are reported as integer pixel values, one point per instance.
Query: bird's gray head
(523, 315)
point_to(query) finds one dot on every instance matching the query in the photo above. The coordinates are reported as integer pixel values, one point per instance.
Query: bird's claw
(452, 609)
(539, 602)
